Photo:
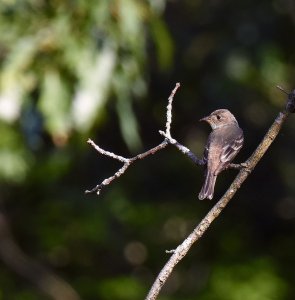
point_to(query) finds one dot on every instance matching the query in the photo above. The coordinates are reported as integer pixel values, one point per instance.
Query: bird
(223, 144)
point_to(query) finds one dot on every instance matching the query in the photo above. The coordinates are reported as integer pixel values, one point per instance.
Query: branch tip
(96, 189)
(170, 251)
(282, 90)
(290, 107)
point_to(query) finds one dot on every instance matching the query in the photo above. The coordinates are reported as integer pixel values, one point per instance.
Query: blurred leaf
(54, 104)
(164, 43)
(13, 165)
(128, 122)
(91, 95)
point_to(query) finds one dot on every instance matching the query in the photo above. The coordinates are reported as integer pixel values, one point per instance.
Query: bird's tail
(207, 190)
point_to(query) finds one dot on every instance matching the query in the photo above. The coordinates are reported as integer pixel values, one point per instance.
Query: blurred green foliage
(254, 280)
(71, 56)
(75, 69)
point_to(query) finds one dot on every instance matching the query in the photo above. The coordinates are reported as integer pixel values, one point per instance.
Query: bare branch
(107, 181)
(107, 153)
(200, 229)
(183, 149)
(151, 151)
(128, 161)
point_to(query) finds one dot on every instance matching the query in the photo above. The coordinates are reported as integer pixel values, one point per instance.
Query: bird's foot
(240, 166)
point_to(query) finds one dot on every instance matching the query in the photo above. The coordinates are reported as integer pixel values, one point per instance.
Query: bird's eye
(218, 117)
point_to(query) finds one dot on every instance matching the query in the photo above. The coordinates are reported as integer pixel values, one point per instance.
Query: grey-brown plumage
(224, 143)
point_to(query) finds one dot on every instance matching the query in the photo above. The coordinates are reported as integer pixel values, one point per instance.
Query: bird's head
(220, 118)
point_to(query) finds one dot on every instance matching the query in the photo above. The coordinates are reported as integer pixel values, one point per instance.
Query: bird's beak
(206, 119)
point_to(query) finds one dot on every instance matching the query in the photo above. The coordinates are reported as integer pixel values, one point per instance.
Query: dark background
(71, 70)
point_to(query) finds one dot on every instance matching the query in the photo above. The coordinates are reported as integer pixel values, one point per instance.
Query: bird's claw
(240, 166)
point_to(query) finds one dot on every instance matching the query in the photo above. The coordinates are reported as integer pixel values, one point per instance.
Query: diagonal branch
(183, 149)
(200, 229)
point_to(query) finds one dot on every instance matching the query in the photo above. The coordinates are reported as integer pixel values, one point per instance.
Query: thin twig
(200, 229)
(127, 163)
(107, 153)
(183, 149)
(281, 89)
(169, 110)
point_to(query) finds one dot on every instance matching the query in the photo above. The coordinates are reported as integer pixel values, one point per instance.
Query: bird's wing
(205, 154)
(231, 149)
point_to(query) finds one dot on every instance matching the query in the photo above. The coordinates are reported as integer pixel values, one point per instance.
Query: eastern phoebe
(224, 143)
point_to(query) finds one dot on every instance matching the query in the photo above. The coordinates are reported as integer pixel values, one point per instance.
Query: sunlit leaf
(54, 103)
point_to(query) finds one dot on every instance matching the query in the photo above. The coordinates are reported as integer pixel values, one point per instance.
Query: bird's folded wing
(231, 149)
